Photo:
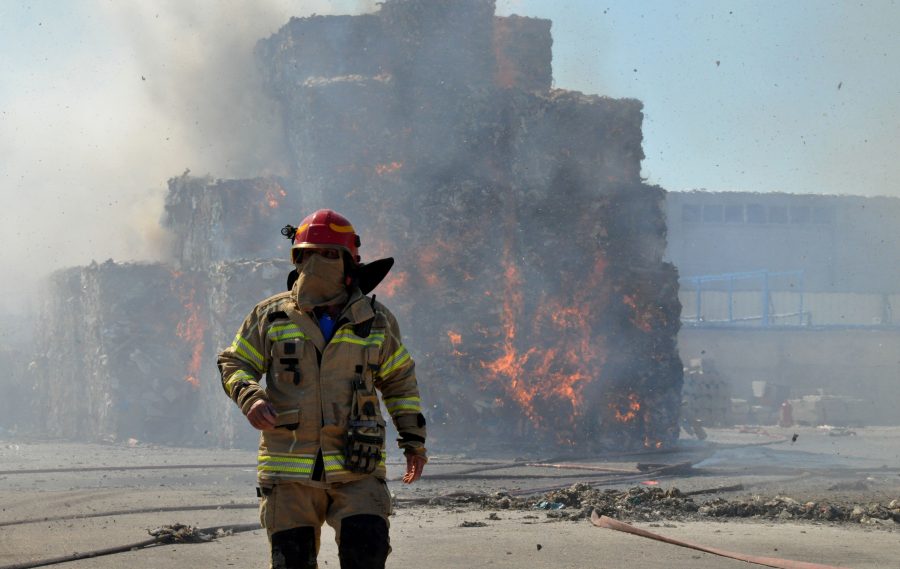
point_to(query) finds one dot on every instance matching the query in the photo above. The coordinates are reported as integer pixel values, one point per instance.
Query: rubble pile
(529, 279)
(657, 504)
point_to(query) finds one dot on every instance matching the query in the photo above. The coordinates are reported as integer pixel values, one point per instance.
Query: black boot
(364, 542)
(294, 549)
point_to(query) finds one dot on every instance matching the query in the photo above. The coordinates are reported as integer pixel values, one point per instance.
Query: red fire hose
(609, 523)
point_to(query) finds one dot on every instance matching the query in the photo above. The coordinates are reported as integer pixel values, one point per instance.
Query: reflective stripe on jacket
(309, 382)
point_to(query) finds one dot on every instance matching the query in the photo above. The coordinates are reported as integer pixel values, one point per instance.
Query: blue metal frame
(765, 299)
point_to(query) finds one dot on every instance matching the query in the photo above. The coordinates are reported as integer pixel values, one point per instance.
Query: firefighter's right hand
(262, 415)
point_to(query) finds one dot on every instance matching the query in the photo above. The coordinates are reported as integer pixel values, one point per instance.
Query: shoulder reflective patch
(281, 332)
(347, 336)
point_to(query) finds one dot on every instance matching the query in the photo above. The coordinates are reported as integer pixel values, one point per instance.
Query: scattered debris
(655, 504)
(179, 533)
(545, 505)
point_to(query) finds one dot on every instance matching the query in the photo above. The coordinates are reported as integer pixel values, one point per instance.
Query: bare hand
(262, 416)
(415, 463)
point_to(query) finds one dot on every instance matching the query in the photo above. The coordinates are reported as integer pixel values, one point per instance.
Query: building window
(756, 213)
(712, 214)
(734, 214)
(690, 213)
(799, 214)
(823, 215)
(778, 214)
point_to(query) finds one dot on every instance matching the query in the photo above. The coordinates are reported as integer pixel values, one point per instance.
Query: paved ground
(821, 464)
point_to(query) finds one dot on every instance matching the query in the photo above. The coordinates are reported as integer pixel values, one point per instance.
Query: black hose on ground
(211, 532)
(252, 506)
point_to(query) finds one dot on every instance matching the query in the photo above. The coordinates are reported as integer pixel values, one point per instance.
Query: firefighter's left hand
(415, 463)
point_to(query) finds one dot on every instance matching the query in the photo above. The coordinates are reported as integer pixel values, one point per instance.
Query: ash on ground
(657, 504)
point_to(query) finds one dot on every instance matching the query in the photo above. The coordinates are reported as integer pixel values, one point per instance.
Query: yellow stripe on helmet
(341, 228)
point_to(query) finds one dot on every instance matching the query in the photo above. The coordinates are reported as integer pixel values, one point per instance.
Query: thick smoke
(142, 92)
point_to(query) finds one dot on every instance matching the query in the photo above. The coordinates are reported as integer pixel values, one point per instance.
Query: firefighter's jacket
(309, 382)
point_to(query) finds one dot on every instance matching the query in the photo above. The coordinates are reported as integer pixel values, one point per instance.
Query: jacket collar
(358, 308)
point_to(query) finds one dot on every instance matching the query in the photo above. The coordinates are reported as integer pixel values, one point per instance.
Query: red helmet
(326, 228)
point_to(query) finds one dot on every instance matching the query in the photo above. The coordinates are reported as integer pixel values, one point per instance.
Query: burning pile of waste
(529, 279)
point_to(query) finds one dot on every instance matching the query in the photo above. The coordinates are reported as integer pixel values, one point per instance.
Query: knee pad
(364, 542)
(294, 549)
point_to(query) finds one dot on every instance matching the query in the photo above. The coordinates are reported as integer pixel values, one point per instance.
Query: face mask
(320, 282)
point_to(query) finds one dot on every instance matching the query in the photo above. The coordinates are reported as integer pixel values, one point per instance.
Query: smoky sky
(102, 102)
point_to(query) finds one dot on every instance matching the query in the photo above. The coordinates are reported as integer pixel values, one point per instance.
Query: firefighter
(327, 351)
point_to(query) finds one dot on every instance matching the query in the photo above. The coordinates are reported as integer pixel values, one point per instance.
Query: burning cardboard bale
(123, 370)
(517, 214)
(523, 48)
(233, 289)
(530, 280)
(217, 220)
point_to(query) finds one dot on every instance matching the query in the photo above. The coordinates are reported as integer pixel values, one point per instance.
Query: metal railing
(767, 316)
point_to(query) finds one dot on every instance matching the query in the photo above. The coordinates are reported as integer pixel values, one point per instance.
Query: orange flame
(455, 341)
(628, 410)
(561, 371)
(393, 283)
(272, 200)
(388, 168)
(642, 319)
(191, 329)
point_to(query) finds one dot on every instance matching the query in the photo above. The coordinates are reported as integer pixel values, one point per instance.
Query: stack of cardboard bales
(529, 281)
(516, 212)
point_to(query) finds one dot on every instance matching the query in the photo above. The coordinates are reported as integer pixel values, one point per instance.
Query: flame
(431, 259)
(455, 341)
(388, 168)
(272, 200)
(559, 371)
(642, 319)
(628, 410)
(392, 284)
(191, 329)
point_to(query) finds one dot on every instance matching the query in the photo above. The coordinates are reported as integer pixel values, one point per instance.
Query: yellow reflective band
(236, 378)
(393, 363)
(335, 462)
(286, 464)
(403, 404)
(285, 332)
(248, 353)
(281, 468)
(348, 337)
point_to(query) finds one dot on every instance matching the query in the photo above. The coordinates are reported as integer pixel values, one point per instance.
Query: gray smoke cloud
(141, 92)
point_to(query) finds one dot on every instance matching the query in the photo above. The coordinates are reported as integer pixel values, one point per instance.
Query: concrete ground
(820, 464)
